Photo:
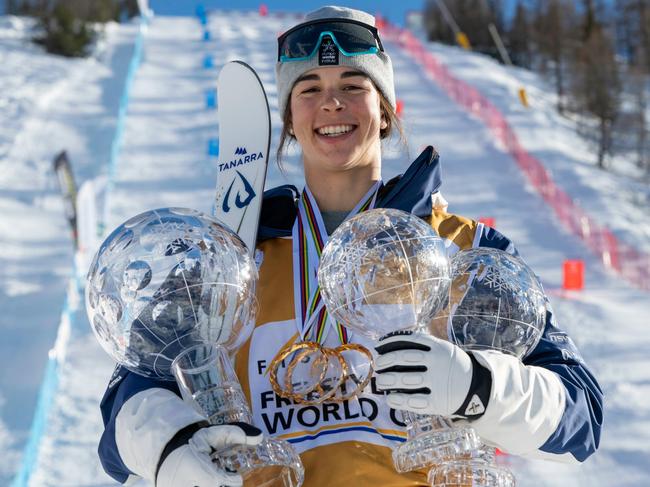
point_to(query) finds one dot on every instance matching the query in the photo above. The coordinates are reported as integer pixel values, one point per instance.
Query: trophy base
(272, 476)
(470, 473)
(434, 447)
(272, 463)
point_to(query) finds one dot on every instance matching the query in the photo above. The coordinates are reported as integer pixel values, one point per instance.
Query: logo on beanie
(328, 53)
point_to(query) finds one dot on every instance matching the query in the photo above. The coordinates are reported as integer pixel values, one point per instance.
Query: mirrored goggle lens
(351, 38)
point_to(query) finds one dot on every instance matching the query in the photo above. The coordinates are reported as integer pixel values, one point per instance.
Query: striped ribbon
(309, 239)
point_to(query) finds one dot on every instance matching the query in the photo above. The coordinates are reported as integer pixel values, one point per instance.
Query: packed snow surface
(49, 104)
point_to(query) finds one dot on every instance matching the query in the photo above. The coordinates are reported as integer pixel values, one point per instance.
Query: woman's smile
(335, 134)
(335, 130)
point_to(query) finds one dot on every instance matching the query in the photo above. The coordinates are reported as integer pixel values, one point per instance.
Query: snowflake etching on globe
(496, 281)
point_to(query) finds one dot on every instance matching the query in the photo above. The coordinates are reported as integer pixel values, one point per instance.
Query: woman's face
(336, 119)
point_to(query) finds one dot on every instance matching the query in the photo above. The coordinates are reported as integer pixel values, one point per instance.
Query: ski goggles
(351, 37)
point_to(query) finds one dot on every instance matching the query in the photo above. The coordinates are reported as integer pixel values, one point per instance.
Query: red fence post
(573, 274)
(488, 221)
(399, 108)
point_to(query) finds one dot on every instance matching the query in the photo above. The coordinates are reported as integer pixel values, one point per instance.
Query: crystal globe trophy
(495, 303)
(170, 295)
(383, 271)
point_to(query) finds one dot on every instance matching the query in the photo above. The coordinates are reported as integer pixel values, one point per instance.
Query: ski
(68, 187)
(244, 142)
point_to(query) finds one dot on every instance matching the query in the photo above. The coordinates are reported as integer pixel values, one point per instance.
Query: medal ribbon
(309, 238)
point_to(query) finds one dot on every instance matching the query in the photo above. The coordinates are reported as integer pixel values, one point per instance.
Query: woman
(337, 100)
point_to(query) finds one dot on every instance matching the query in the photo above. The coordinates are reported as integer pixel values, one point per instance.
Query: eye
(353, 88)
(309, 89)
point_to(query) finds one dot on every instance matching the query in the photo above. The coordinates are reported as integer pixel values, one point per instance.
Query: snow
(51, 103)
(48, 103)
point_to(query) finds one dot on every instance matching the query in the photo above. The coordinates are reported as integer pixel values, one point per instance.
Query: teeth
(335, 129)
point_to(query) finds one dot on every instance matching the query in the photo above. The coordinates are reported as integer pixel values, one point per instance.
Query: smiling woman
(337, 101)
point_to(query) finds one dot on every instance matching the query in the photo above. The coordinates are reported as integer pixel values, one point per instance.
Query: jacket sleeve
(579, 428)
(547, 406)
(140, 416)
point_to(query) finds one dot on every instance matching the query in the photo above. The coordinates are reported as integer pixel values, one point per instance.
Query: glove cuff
(182, 437)
(478, 396)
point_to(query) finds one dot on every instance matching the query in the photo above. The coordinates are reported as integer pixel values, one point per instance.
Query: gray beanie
(377, 66)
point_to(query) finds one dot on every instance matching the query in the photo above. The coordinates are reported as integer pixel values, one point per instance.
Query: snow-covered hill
(48, 103)
(53, 104)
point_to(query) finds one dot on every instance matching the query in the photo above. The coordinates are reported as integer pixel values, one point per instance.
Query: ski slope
(47, 104)
(163, 161)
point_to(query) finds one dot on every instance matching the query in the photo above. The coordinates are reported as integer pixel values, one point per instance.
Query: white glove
(426, 375)
(189, 465)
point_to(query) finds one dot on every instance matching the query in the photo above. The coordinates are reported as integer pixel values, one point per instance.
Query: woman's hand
(425, 375)
(188, 464)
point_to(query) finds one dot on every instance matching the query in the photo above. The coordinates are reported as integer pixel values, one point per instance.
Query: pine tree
(633, 41)
(63, 32)
(555, 37)
(65, 25)
(471, 16)
(596, 85)
(519, 37)
(435, 25)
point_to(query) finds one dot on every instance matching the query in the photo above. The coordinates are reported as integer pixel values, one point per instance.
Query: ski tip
(230, 67)
(239, 61)
(234, 66)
